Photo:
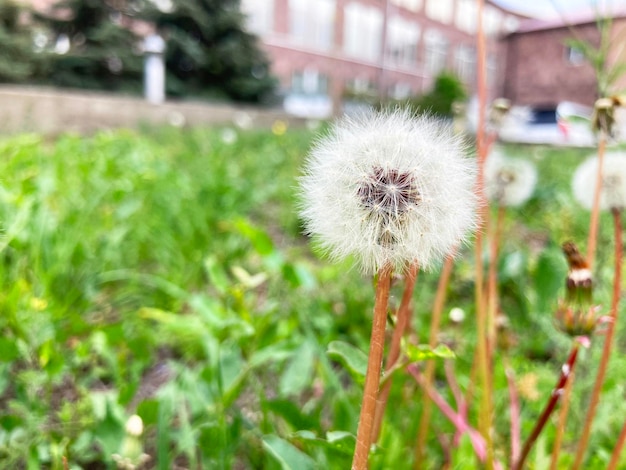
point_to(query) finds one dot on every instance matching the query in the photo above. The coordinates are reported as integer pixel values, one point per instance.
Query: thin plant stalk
(608, 342)
(595, 208)
(492, 281)
(482, 357)
(556, 394)
(402, 322)
(560, 430)
(514, 408)
(435, 322)
(617, 451)
(374, 366)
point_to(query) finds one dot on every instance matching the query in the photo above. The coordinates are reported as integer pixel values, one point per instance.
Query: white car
(567, 124)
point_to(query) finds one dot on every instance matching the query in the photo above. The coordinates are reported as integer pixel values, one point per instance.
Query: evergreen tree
(95, 45)
(19, 62)
(208, 50)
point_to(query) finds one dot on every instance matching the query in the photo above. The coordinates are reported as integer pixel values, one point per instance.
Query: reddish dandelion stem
(372, 376)
(551, 405)
(595, 208)
(617, 451)
(482, 356)
(560, 430)
(435, 322)
(514, 409)
(402, 322)
(608, 342)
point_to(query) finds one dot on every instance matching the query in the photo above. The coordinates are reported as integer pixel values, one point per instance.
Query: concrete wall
(51, 111)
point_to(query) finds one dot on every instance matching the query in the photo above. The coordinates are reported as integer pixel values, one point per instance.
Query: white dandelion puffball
(509, 181)
(390, 188)
(613, 191)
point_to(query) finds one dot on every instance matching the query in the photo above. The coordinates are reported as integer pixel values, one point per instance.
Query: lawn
(163, 273)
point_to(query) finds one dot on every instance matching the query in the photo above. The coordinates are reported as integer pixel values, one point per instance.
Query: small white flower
(228, 136)
(457, 315)
(390, 188)
(613, 192)
(134, 426)
(509, 181)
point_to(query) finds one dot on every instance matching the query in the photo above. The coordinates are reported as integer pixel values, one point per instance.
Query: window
(492, 21)
(492, 69)
(465, 63)
(466, 16)
(309, 82)
(436, 51)
(413, 5)
(259, 15)
(440, 10)
(400, 91)
(363, 31)
(311, 22)
(574, 55)
(402, 39)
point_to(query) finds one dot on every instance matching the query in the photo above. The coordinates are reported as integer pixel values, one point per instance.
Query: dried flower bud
(577, 321)
(603, 118)
(576, 315)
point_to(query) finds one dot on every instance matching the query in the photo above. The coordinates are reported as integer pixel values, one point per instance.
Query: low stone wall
(51, 111)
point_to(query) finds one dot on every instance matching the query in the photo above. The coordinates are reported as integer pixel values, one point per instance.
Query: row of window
(312, 22)
(313, 82)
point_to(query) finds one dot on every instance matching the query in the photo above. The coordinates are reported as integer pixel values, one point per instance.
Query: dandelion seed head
(613, 191)
(509, 181)
(388, 188)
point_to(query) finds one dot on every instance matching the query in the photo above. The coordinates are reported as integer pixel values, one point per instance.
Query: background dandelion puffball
(388, 188)
(509, 181)
(613, 192)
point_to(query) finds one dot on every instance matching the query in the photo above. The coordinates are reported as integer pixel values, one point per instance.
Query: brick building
(542, 69)
(330, 49)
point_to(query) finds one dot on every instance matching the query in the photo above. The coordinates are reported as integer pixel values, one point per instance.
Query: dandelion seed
(388, 188)
(613, 190)
(509, 181)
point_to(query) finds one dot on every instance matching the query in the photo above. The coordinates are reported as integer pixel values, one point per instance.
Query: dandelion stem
(482, 357)
(514, 409)
(618, 449)
(492, 281)
(608, 342)
(403, 317)
(560, 430)
(595, 208)
(374, 366)
(429, 373)
(551, 405)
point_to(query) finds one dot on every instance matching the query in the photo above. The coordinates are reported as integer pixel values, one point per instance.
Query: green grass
(163, 273)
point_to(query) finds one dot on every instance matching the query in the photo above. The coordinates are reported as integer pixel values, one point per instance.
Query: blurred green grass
(163, 272)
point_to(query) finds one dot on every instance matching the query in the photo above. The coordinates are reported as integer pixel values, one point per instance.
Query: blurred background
(318, 58)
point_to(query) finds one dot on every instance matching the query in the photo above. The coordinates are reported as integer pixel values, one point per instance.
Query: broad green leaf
(298, 374)
(286, 454)
(422, 352)
(8, 350)
(351, 357)
(260, 240)
(217, 275)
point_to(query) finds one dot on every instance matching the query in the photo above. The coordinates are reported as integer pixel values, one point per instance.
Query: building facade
(544, 68)
(337, 49)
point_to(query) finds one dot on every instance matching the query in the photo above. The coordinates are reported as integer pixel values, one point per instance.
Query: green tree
(95, 45)
(447, 89)
(19, 61)
(209, 52)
